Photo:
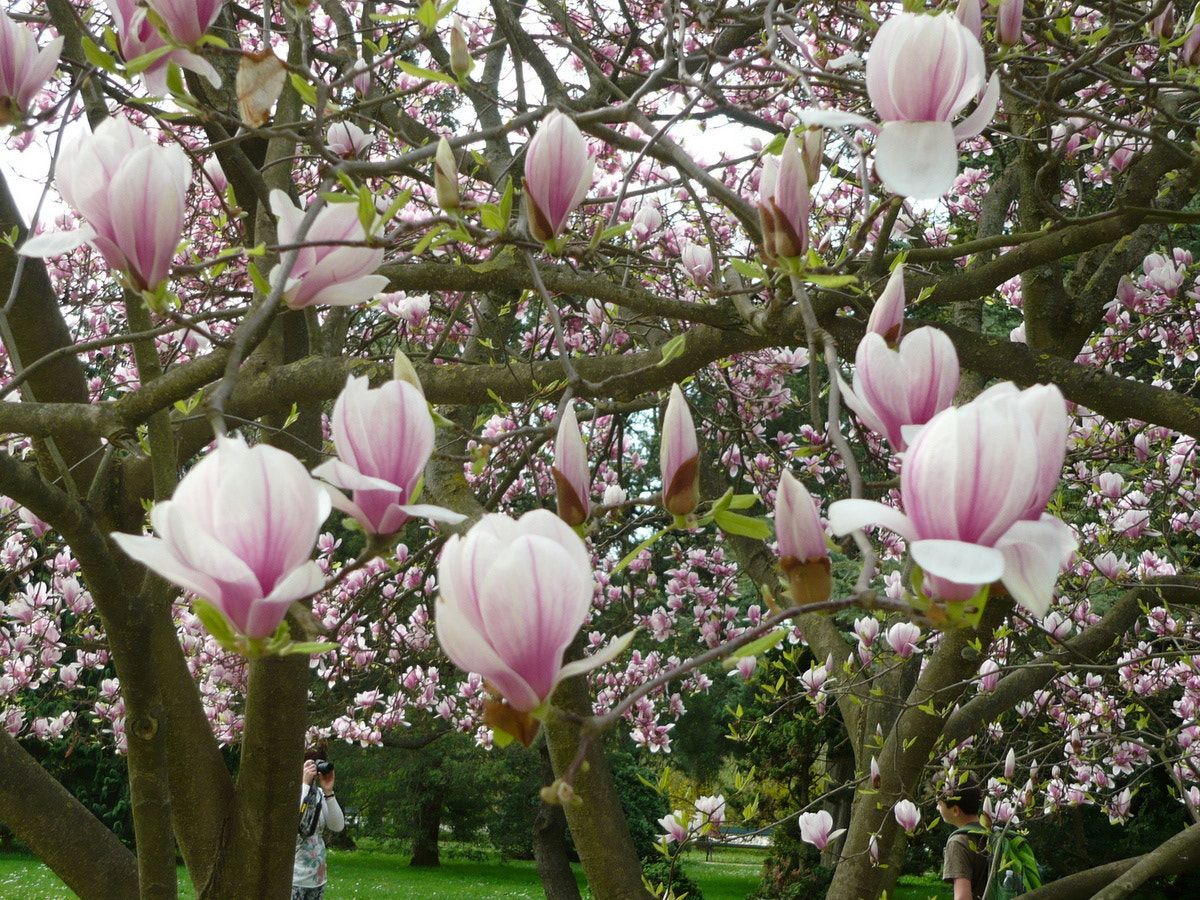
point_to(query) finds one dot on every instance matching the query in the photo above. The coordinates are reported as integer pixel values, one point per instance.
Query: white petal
(614, 649)
(917, 159)
(56, 243)
(847, 515)
(979, 119)
(959, 561)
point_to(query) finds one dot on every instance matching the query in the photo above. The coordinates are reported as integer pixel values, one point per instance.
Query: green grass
(379, 875)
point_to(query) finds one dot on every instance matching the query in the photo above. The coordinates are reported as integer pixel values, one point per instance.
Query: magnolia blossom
(384, 437)
(137, 37)
(897, 391)
(784, 203)
(674, 829)
(647, 221)
(238, 532)
(186, 21)
(921, 72)
(697, 261)
(558, 173)
(710, 814)
(679, 457)
(970, 13)
(513, 594)
(974, 485)
(803, 553)
(131, 192)
(907, 815)
(445, 177)
(346, 139)
(330, 274)
(816, 828)
(572, 480)
(23, 68)
(903, 637)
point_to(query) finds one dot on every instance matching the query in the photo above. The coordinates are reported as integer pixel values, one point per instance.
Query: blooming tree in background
(693, 276)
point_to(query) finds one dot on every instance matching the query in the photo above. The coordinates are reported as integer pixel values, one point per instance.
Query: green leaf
(506, 204)
(742, 501)
(428, 15)
(424, 74)
(755, 647)
(733, 523)
(216, 623)
(500, 737)
(829, 281)
(140, 64)
(633, 554)
(98, 57)
(615, 230)
(672, 349)
(749, 269)
(490, 217)
(303, 89)
(260, 283)
(307, 647)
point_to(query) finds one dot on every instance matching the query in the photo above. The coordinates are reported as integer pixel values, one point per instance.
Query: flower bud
(461, 62)
(679, 457)
(445, 177)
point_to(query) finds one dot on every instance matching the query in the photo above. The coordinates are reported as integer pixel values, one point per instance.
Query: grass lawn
(378, 875)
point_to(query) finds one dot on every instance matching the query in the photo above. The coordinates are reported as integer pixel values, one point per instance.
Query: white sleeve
(331, 812)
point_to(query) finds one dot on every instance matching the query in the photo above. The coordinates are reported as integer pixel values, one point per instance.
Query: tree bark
(78, 847)
(550, 842)
(597, 821)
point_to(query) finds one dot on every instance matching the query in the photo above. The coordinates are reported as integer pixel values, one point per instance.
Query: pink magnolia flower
(897, 391)
(131, 192)
(558, 173)
(907, 815)
(238, 532)
(903, 637)
(137, 36)
(1162, 26)
(867, 629)
(974, 485)
(679, 457)
(384, 437)
(803, 553)
(186, 21)
(513, 594)
(697, 262)
(675, 830)
(784, 203)
(572, 480)
(989, 675)
(1008, 22)
(327, 273)
(816, 828)
(1010, 763)
(647, 221)
(1189, 51)
(23, 68)
(921, 72)
(710, 813)
(346, 139)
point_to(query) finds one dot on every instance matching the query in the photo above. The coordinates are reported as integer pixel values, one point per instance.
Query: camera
(324, 767)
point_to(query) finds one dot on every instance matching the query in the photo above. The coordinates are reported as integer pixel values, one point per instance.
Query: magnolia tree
(347, 295)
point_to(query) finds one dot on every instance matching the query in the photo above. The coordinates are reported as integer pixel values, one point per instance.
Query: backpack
(1014, 868)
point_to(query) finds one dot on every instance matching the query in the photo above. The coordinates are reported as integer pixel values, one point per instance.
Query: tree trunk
(597, 821)
(550, 843)
(429, 823)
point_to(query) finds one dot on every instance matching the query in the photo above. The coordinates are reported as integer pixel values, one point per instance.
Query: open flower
(384, 437)
(513, 594)
(816, 828)
(974, 485)
(558, 173)
(921, 72)
(186, 21)
(23, 68)
(239, 533)
(137, 37)
(333, 274)
(907, 815)
(897, 391)
(131, 192)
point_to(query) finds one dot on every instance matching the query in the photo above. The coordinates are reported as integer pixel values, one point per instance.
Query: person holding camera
(319, 810)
